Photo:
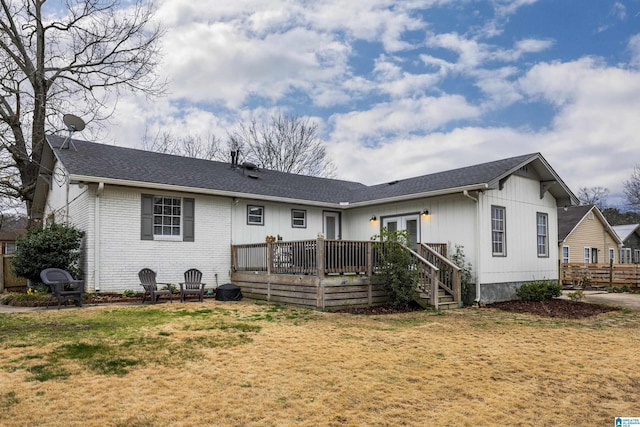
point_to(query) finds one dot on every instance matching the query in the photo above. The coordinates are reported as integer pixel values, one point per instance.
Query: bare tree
(593, 196)
(286, 143)
(210, 148)
(74, 62)
(632, 189)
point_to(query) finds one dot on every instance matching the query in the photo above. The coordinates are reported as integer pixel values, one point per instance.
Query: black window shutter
(146, 219)
(188, 211)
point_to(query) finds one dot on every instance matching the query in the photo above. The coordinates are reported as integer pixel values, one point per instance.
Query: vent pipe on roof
(234, 158)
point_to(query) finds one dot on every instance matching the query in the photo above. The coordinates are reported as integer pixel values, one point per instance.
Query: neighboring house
(8, 241)
(169, 213)
(630, 236)
(585, 236)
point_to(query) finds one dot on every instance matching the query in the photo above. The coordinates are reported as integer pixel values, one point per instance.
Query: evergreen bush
(539, 290)
(397, 267)
(55, 246)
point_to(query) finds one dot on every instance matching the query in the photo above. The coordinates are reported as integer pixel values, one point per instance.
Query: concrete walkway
(624, 300)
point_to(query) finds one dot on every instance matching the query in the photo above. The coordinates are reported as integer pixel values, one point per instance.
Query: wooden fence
(586, 275)
(8, 280)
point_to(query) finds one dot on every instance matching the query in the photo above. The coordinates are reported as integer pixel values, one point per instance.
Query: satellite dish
(74, 124)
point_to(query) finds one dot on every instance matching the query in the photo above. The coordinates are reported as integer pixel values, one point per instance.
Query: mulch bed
(557, 308)
(560, 308)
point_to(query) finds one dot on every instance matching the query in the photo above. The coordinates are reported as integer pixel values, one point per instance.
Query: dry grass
(245, 364)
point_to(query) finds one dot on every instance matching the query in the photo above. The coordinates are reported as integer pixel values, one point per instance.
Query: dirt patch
(559, 308)
(379, 309)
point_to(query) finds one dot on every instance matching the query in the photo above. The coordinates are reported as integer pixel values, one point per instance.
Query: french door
(410, 223)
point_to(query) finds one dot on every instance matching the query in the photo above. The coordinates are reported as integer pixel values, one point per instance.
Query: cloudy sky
(410, 87)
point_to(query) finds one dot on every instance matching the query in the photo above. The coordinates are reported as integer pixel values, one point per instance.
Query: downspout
(96, 241)
(66, 209)
(477, 241)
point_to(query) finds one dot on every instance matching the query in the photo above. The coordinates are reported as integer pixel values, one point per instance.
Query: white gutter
(477, 243)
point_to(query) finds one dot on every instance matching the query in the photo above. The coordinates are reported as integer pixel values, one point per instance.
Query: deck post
(269, 257)
(369, 259)
(320, 268)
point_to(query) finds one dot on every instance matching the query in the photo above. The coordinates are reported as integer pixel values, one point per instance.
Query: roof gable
(570, 218)
(626, 230)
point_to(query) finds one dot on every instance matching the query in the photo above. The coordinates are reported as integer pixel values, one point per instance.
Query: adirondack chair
(192, 284)
(63, 287)
(148, 282)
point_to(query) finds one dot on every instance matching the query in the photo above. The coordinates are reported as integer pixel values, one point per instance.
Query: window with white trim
(625, 256)
(167, 215)
(542, 222)
(298, 218)
(587, 255)
(498, 231)
(167, 218)
(612, 254)
(255, 215)
(636, 255)
(565, 254)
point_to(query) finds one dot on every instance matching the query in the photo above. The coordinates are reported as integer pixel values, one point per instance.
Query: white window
(587, 255)
(298, 218)
(542, 220)
(167, 214)
(565, 254)
(612, 254)
(636, 255)
(255, 215)
(167, 218)
(625, 256)
(498, 231)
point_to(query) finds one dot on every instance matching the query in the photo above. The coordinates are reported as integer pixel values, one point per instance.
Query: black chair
(148, 282)
(192, 284)
(63, 287)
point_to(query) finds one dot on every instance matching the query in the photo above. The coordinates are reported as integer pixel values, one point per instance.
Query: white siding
(451, 220)
(277, 220)
(521, 198)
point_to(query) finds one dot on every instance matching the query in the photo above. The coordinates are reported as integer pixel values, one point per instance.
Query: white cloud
(400, 117)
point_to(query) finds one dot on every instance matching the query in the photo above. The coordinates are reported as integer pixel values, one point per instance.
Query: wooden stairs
(445, 300)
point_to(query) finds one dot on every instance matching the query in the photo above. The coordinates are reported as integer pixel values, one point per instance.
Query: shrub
(55, 246)
(576, 296)
(397, 267)
(539, 291)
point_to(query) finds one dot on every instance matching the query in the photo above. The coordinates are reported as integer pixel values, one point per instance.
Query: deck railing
(322, 257)
(448, 273)
(315, 257)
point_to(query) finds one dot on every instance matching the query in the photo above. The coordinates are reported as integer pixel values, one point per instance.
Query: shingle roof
(569, 217)
(624, 231)
(93, 160)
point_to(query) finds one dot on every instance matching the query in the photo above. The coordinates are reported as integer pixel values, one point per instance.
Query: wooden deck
(330, 274)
